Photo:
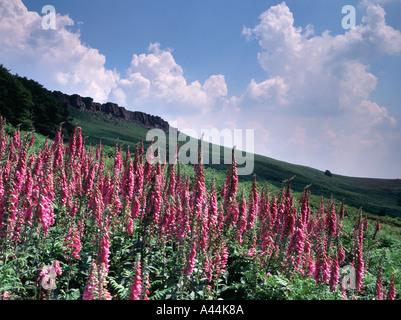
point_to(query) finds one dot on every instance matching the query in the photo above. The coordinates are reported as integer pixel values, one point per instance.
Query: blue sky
(314, 93)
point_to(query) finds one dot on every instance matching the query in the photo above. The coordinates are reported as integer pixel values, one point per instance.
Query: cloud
(156, 79)
(315, 101)
(55, 58)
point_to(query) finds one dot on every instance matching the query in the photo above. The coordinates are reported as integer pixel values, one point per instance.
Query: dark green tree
(27, 103)
(16, 103)
(47, 112)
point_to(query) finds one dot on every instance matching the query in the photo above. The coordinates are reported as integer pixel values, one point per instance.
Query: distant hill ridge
(112, 109)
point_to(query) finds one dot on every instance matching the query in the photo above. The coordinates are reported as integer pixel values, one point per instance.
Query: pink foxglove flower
(297, 244)
(305, 208)
(322, 267)
(391, 289)
(205, 232)
(148, 167)
(71, 146)
(135, 208)
(377, 229)
(96, 287)
(224, 258)
(199, 190)
(288, 225)
(104, 251)
(4, 295)
(273, 212)
(310, 266)
(229, 190)
(331, 220)
(130, 225)
(79, 143)
(359, 268)
(253, 204)
(191, 260)
(57, 267)
(171, 181)
(58, 150)
(48, 274)
(379, 283)
(154, 199)
(67, 241)
(45, 211)
(242, 218)
(342, 211)
(76, 244)
(73, 241)
(136, 288)
(208, 270)
(335, 272)
(127, 181)
(341, 254)
(213, 211)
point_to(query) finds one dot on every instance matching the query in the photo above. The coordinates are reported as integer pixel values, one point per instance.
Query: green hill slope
(375, 196)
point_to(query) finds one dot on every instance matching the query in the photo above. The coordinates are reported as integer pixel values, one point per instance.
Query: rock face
(113, 110)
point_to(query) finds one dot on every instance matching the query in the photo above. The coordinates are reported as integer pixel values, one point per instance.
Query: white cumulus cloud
(316, 100)
(156, 79)
(56, 58)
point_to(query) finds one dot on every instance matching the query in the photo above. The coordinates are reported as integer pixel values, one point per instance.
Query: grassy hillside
(375, 196)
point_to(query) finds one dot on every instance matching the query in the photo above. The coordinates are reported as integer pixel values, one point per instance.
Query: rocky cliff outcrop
(113, 110)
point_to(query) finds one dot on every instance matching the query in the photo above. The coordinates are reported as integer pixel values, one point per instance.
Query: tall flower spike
(305, 208)
(377, 229)
(379, 282)
(342, 211)
(171, 182)
(148, 168)
(334, 277)
(71, 146)
(191, 261)
(213, 211)
(359, 268)
(331, 219)
(391, 289)
(223, 254)
(198, 194)
(58, 150)
(154, 199)
(45, 206)
(242, 217)
(341, 254)
(76, 243)
(253, 204)
(297, 244)
(96, 289)
(231, 184)
(103, 257)
(136, 288)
